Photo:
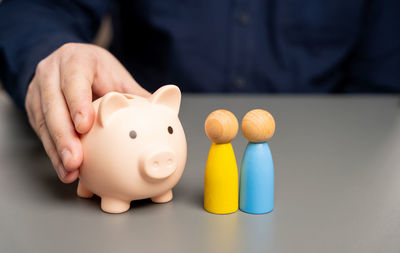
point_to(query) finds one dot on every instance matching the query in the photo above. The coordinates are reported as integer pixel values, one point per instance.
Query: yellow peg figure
(221, 180)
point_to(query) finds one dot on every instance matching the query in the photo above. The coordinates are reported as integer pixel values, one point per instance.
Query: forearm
(31, 30)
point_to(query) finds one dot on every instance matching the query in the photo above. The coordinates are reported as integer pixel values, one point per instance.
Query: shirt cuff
(34, 56)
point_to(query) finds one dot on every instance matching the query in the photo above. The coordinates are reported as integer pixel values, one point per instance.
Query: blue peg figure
(256, 194)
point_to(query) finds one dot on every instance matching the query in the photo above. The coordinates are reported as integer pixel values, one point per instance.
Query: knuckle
(31, 117)
(68, 47)
(41, 66)
(58, 137)
(30, 106)
(81, 55)
(55, 160)
(28, 98)
(40, 127)
(75, 83)
(30, 88)
(79, 63)
(51, 151)
(68, 79)
(44, 72)
(48, 102)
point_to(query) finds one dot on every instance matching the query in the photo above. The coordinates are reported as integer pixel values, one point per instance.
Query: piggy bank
(136, 149)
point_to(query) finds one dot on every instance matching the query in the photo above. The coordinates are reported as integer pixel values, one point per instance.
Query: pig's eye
(132, 134)
(170, 130)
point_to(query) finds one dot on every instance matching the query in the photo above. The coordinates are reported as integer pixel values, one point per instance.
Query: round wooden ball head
(221, 126)
(258, 125)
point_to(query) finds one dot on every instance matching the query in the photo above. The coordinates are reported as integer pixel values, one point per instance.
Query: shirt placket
(241, 46)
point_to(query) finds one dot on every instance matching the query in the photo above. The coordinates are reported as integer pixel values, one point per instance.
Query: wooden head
(221, 126)
(258, 125)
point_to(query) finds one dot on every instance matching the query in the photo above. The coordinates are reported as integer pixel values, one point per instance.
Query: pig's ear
(110, 103)
(168, 95)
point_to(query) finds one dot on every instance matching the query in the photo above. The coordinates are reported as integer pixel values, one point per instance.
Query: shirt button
(243, 18)
(240, 82)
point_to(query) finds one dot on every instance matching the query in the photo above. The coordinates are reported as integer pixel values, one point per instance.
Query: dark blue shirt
(250, 46)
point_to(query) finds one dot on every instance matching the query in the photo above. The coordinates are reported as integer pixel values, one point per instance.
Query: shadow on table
(29, 164)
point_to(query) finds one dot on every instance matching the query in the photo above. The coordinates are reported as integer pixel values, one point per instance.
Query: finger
(51, 151)
(58, 121)
(71, 176)
(77, 76)
(32, 98)
(35, 116)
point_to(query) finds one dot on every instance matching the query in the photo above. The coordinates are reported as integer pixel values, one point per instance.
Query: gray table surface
(337, 164)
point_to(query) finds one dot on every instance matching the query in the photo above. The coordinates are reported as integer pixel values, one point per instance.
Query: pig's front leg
(83, 192)
(163, 198)
(112, 205)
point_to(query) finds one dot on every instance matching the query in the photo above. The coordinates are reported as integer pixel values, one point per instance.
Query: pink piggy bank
(136, 149)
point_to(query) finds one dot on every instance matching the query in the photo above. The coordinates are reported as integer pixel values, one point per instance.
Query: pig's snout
(159, 164)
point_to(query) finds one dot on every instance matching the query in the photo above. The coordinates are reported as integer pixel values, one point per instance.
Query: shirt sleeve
(30, 30)
(375, 64)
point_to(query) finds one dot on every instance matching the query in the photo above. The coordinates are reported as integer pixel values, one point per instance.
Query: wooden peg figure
(257, 169)
(221, 183)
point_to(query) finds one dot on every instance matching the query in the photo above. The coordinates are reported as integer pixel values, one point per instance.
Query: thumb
(76, 85)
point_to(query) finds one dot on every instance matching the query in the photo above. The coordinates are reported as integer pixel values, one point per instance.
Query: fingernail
(77, 119)
(61, 171)
(65, 156)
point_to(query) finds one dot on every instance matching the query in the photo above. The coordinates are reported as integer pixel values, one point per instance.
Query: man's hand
(59, 100)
